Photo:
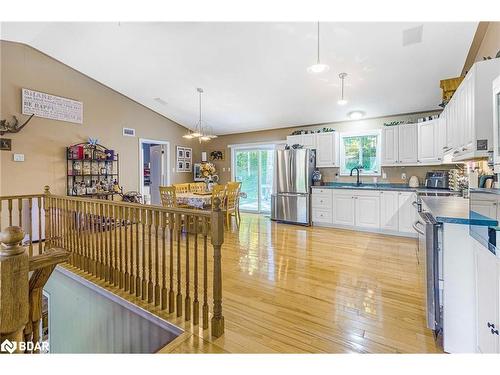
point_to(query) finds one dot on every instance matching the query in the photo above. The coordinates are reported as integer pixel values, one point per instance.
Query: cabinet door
(367, 210)
(390, 145)
(326, 150)
(389, 210)
(294, 140)
(442, 147)
(408, 152)
(309, 140)
(427, 142)
(485, 207)
(407, 214)
(343, 208)
(486, 300)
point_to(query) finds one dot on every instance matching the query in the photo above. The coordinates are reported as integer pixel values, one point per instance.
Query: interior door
(157, 159)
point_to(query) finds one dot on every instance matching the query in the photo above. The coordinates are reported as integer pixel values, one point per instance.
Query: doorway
(254, 168)
(154, 169)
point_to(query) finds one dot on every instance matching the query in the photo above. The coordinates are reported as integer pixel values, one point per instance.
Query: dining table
(193, 200)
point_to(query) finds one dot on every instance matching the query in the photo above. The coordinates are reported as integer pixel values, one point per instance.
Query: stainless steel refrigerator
(292, 200)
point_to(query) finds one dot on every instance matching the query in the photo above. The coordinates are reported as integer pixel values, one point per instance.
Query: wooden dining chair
(232, 193)
(197, 187)
(181, 188)
(219, 191)
(168, 196)
(238, 187)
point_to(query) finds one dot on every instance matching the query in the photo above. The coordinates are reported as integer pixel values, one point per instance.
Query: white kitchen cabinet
(321, 206)
(389, 210)
(487, 297)
(306, 140)
(441, 137)
(343, 207)
(406, 212)
(408, 150)
(469, 114)
(486, 208)
(326, 149)
(390, 145)
(367, 210)
(428, 142)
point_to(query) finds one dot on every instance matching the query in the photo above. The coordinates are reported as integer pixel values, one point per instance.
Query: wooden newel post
(46, 208)
(217, 238)
(14, 305)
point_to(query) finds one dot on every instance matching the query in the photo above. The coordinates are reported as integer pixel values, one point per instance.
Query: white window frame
(376, 132)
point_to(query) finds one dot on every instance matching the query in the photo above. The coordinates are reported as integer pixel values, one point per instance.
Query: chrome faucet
(358, 182)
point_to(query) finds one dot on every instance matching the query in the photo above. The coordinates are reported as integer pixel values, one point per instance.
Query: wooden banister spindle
(217, 238)
(30, 226)
(108, 259)
(116, 247)
(137, 253)
(196, 303)
(126, 275)
(150, 257)
(20, 211)
(178, 223)
(9, 202)
(46, 210)
(187, 300)
(120, 272)
(40, 233)
(144, 219)
(164, 291)
(171, 293)
(132, 249)
(14, 286)
(205, 274)
(157, 260)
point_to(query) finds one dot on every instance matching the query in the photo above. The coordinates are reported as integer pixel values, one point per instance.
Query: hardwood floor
(292, 289)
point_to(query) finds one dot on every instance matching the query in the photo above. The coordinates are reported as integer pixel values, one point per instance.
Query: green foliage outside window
(361, 151)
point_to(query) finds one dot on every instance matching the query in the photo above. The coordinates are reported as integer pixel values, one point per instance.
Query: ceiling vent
(160, 101)
(413, 35)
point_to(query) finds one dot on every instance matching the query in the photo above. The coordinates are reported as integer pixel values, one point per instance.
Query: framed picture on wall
(197, 172)
(184, 159)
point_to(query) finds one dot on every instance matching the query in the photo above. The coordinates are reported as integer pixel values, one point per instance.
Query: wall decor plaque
(5, 144)
(52, 107)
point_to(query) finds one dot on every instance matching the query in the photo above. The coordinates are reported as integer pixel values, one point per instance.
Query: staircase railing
(159, 255)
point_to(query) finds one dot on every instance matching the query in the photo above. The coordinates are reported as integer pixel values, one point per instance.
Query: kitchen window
(360, 150)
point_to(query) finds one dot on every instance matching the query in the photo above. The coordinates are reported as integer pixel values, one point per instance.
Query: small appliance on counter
(437, 180)
(414, 182)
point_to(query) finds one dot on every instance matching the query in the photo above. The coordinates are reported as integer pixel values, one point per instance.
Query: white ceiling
(254, 74)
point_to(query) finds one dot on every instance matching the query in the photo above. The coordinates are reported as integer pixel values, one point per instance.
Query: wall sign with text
(51, 106)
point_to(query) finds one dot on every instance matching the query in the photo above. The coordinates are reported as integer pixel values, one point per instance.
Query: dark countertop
(486, 191)
(384, 186)
(454, 210)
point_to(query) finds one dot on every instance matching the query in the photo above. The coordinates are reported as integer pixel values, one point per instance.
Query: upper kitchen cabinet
(306, 140)
(469, 114)
(327, 149)
(399, 145)
(429, 145)
(326, 145)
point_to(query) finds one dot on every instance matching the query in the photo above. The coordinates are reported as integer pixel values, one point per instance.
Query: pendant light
(342, 100)
(201, 131)
(318, 67)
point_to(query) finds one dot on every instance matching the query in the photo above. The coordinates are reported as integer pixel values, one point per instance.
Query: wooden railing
(20, 298)
(159, 255)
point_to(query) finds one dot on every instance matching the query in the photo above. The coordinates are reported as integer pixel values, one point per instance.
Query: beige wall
(43, 141)
(490, 44)
(393, 173)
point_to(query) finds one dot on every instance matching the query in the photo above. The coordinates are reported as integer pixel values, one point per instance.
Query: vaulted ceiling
(254, 74)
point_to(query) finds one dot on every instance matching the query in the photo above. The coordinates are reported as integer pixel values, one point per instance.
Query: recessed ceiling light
(356, 115)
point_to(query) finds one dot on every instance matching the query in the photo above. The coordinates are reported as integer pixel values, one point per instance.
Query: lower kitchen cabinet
(407, 214)
(367, 209)
(389, 210)
(487, 298)
(343, 207)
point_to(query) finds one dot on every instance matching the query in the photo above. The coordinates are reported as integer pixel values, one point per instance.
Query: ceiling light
(195, 135)
(188, 136)
(205, 138)
(356, 115)
(318, 67)
(201, 131)
(342, 100)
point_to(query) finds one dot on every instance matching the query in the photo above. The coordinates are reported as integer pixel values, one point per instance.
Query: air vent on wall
(129, 132)
(413, 35)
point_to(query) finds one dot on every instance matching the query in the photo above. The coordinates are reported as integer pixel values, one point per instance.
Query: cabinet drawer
(322, 200)
(322, 216)
(327, 192)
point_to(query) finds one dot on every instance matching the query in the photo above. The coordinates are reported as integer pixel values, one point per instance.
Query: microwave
(496, 124)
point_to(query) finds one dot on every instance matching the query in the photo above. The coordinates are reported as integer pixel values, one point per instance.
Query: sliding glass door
(254, 169)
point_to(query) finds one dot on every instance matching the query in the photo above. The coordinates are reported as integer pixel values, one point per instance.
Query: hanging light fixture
(342, 100)
(318, 67)
(201, 131)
